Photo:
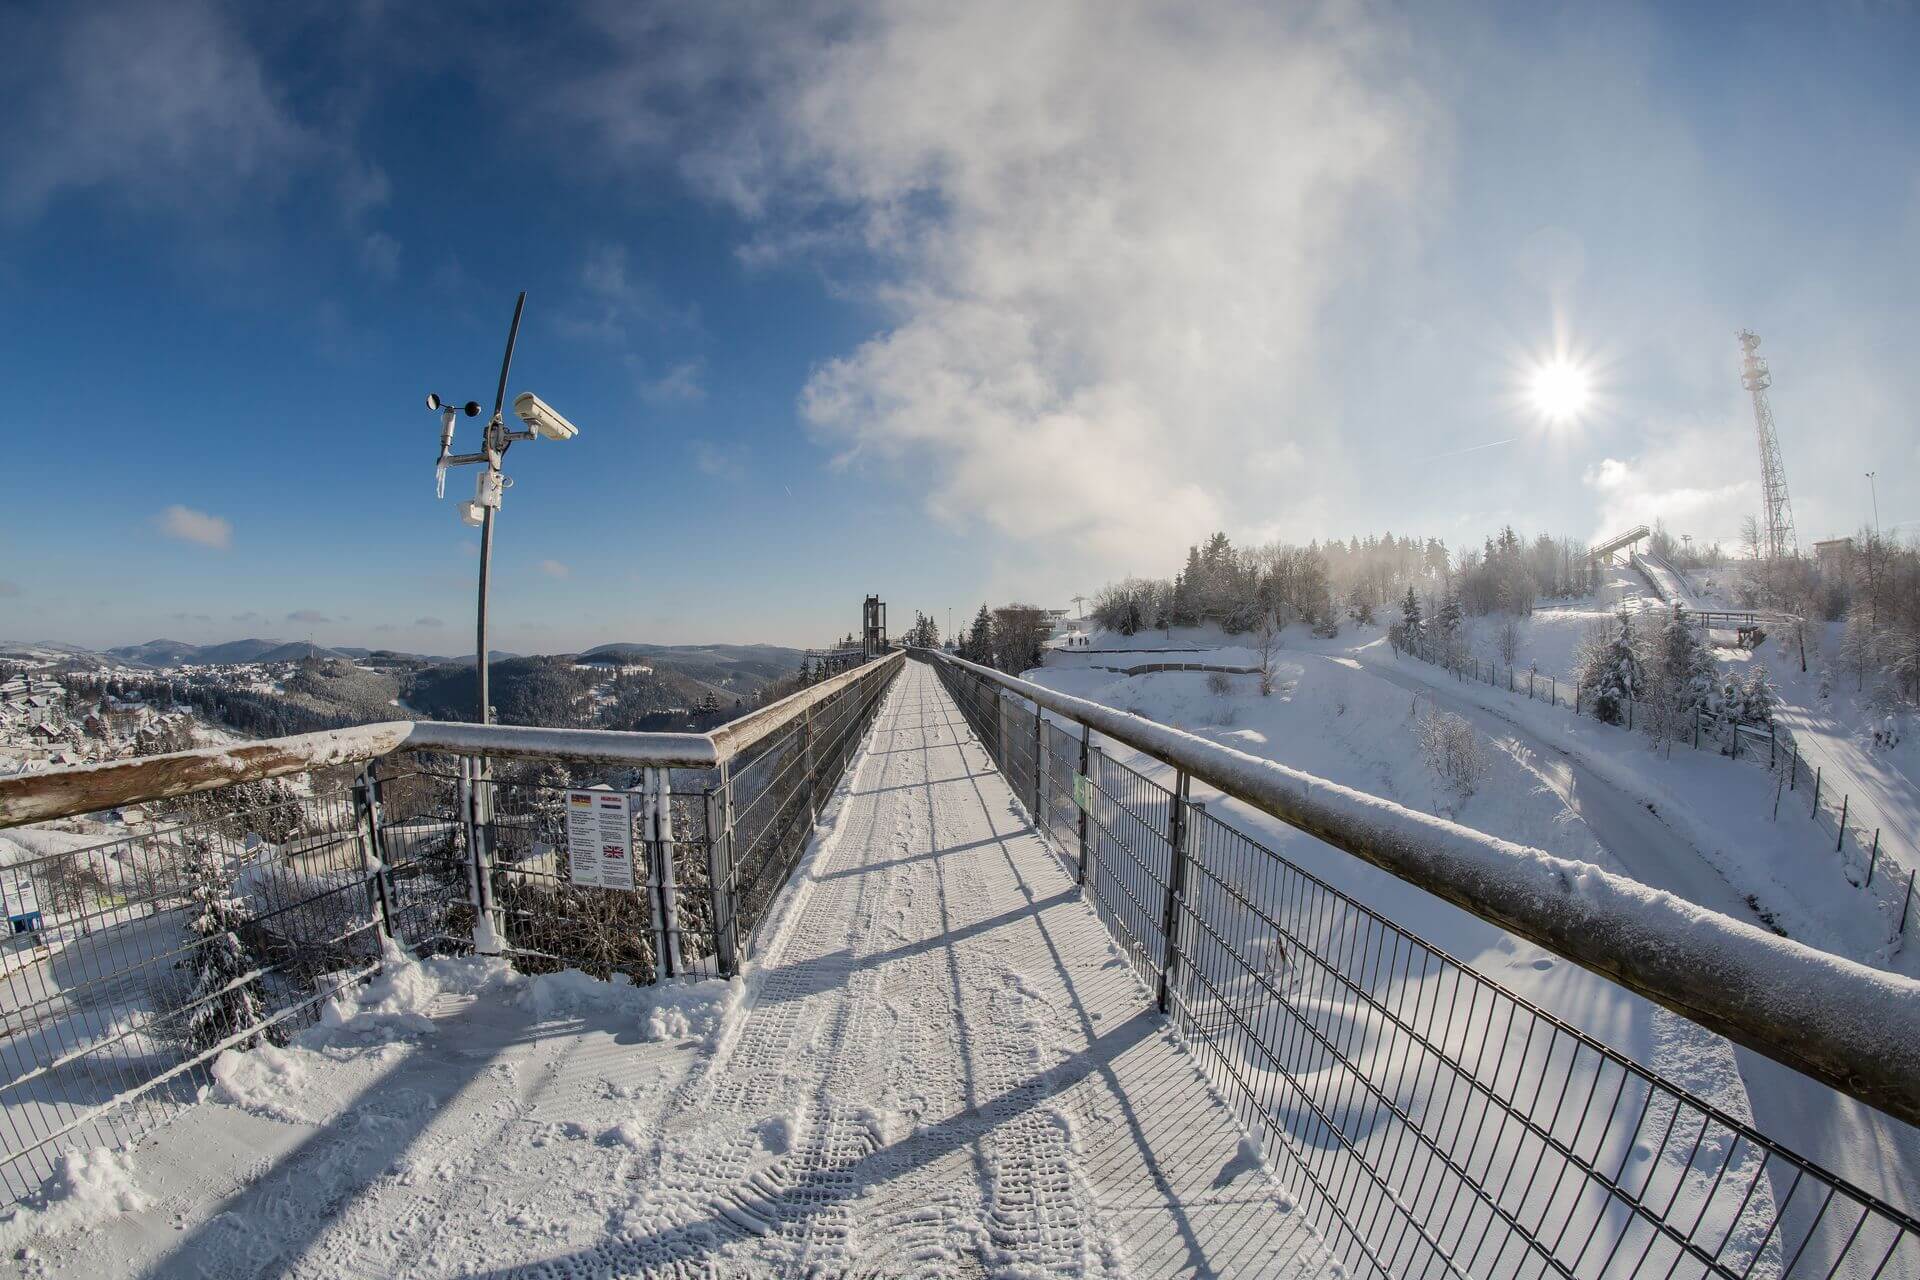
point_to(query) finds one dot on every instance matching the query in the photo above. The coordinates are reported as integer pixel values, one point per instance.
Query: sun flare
(1560, 390)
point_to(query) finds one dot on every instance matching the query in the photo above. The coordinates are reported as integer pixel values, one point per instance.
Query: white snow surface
(87, 1189)
(936, 1065)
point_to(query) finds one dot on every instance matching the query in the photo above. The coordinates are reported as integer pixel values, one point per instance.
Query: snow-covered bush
(1219, 683)
(1452, 750)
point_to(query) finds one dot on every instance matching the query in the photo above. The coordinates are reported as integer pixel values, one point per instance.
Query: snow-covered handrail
(1849, 1026)
(60, 793)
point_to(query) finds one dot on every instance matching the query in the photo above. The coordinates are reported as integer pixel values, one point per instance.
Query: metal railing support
(366, 803)
(1176, 884)
(1039, 764)
(657, 831)
(806, 764)
(477, 812)
(1839, 841)
(1084, 781)
(720, 872)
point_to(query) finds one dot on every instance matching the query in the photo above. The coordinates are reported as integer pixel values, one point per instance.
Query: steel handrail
(1849, 1026)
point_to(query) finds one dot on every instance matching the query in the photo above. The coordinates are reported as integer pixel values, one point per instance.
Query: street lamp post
(1873, 487)
(492, 482)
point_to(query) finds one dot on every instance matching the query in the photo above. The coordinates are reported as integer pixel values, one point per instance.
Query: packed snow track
(939, 1066)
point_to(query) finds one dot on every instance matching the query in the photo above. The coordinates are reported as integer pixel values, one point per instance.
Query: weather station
(541, 421)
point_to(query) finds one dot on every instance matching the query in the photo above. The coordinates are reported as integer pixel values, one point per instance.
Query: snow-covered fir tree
(1612, 672)
(222, 1005)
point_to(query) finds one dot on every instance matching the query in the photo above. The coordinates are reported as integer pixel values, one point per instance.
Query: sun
(1560, 390)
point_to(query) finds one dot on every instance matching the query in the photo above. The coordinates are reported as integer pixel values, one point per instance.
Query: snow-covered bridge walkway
(940, 1067)
(947, 1069)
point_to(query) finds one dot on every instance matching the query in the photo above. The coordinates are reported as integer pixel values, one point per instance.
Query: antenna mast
(1778, 527)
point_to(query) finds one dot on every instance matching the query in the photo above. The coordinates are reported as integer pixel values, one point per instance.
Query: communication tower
(1776, 530)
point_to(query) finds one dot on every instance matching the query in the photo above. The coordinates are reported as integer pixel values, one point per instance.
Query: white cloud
(167, 103)
(680, 384)
(189, 525)
(1674, 483)
(1103, 246)
(554, 569)
(307, 615)
(380, 255)
(428, 622)
(722, 463)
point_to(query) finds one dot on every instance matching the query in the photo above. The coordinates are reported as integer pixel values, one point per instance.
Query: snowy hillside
(1696, 824)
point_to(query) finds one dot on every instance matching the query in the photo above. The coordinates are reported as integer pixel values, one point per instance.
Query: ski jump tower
(1776, 531)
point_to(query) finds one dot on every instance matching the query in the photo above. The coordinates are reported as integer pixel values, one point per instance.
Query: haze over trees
(1236, 587)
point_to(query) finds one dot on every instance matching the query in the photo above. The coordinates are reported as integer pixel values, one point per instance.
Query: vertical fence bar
(1873, 856)
(1840, 840)
(1083, 793)
(663, 854)
(1818, 770)
(366, 802)
(806, 750)
(1906, 903)
(1176, 881)
(720, 883)
(478, 813)
(1039, 765)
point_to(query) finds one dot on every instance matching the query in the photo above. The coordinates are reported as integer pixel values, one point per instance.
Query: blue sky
(952, 303)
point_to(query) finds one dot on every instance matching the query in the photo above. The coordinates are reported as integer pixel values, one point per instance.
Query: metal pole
(366, 798)
(480, 625)
(1086, 743)
(1817, 771)
(1176, 881)
(1873, 856)
(1906, 903)
(806, 747)
(1841, 839)
(663, 852)
(720, 872)
(1039, 763)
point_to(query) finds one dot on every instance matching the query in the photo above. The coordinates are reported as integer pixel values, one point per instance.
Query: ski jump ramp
(1605, 550)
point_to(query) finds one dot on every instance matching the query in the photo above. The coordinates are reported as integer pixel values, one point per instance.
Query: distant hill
(730, 670)
(178, 653)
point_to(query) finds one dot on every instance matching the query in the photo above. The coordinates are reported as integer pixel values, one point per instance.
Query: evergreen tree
(978, 646)
(1359, 607)
(1613, 673)
(219, 1007)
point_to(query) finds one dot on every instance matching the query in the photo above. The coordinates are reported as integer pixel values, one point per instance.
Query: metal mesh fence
(226, 923)
(769, 797)
(1432, 1122)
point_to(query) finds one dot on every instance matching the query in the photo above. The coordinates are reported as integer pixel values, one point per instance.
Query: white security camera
(540, 415)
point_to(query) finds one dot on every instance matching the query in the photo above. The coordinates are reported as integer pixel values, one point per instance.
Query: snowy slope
(1576, 788)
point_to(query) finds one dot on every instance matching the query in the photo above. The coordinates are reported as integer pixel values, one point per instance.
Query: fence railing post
(1873, 856)
(656, 830)
(1841, 839)
(366, 801)
(720, 884)
(806, 748)
(476, 785)
(1039, 765)
(1817, 771)
(1906, 903)
(1176, 883)
(1084, 802)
